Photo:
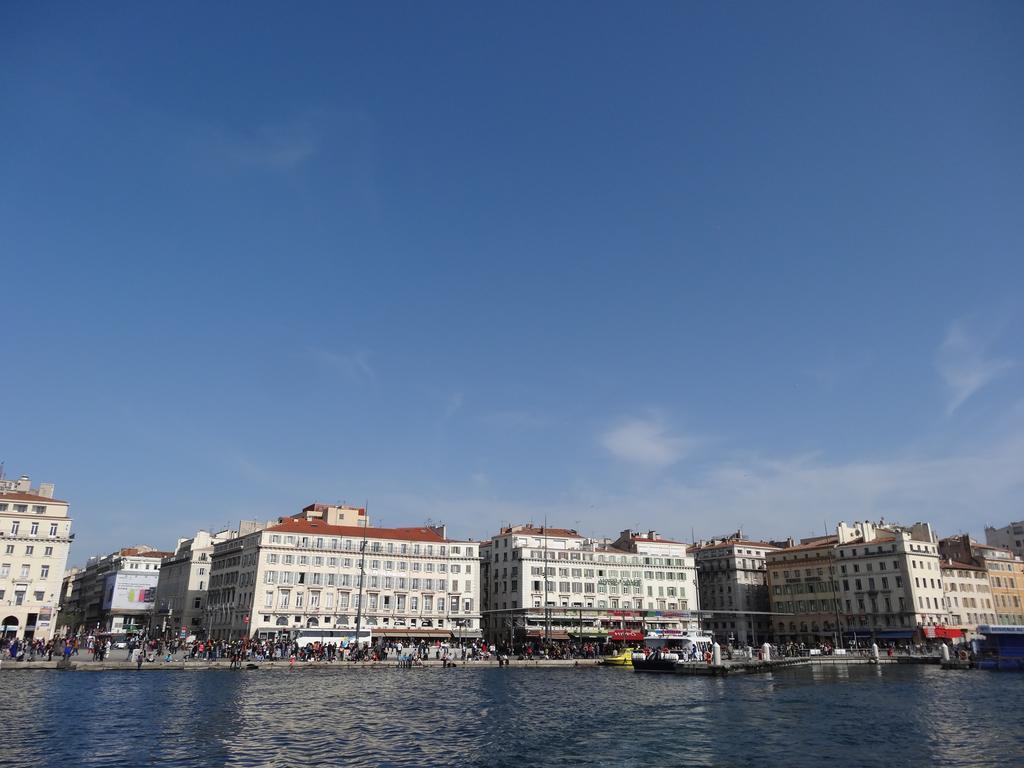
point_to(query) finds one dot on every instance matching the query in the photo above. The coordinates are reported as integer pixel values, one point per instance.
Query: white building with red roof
(305, 573)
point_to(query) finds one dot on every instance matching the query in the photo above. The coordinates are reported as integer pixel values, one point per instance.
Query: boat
(1002, 648)
(620, 658)
(664, 649)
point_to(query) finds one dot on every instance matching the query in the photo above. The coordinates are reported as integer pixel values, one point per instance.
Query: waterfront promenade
(727, 667)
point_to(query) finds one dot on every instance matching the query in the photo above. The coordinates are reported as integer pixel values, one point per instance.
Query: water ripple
(859, 716)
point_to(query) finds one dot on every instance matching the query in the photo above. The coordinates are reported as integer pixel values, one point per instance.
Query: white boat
(665, 648)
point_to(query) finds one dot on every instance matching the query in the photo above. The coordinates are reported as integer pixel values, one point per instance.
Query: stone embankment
(87, 665)
(697, 668)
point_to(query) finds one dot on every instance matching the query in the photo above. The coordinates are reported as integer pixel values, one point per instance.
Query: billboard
(130, 591)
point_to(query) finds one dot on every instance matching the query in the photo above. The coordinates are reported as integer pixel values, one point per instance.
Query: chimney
(46, 490)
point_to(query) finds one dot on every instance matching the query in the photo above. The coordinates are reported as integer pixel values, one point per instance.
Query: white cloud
(768, 497)
(646, 442)
(353, 365)
(276, 147)
(965, 367)
(453, 406)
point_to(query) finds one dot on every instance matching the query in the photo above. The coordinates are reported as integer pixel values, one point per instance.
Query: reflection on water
(857, 716)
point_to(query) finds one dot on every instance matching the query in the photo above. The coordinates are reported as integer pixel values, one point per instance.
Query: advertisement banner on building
(127, 591)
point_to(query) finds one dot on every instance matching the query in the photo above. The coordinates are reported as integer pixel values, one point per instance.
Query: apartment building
(305, 573)
(35, 538)
(733, 578)
(554, 584)
(114, 593)
(1009, 537)
(967, 595)
(184, 581)
(870, 581)
(1005, 574)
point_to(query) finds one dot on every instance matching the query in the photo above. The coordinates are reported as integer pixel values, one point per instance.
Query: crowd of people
(153, 650)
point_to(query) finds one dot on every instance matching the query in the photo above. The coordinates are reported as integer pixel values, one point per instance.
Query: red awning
(944, 633)
(626, 636)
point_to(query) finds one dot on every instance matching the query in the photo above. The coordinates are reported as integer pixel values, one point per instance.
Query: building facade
(35, 538)
(733, 579)
(184, 581)
(553, 584)
(1005, 573)
(968, 597)
(115, 593)
(1009, 537)
(870, 581)
(304, 573)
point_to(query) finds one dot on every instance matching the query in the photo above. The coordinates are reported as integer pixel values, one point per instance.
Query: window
(15, 526)
(34, 529)
(44, 572)
(29, 549)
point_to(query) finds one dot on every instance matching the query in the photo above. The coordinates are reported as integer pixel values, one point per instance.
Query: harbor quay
(700, 668)
(327, 584)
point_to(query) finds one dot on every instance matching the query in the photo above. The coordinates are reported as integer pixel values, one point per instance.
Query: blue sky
(677, 266)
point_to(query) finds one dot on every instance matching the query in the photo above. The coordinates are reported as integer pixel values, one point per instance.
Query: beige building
(870, 581)
(554, 583)
(968, 597)
(1005, 574)
(337, 514)
(305, 573)
(733, 577)
(35, 538)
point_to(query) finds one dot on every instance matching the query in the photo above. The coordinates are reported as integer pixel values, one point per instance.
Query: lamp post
(362, 578)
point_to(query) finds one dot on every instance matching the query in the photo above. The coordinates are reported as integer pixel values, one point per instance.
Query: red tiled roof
(801, 547)
(16, 496)
(316, 527)
(955, 565)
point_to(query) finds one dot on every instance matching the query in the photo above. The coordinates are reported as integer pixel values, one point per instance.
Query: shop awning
(892, 635)
(552, 635)
(626, 636)
(944, 633)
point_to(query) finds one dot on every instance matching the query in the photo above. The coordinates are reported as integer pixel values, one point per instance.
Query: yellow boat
(623, 658)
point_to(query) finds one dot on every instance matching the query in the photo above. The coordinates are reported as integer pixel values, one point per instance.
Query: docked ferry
(1002, 648)
(665, 648)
